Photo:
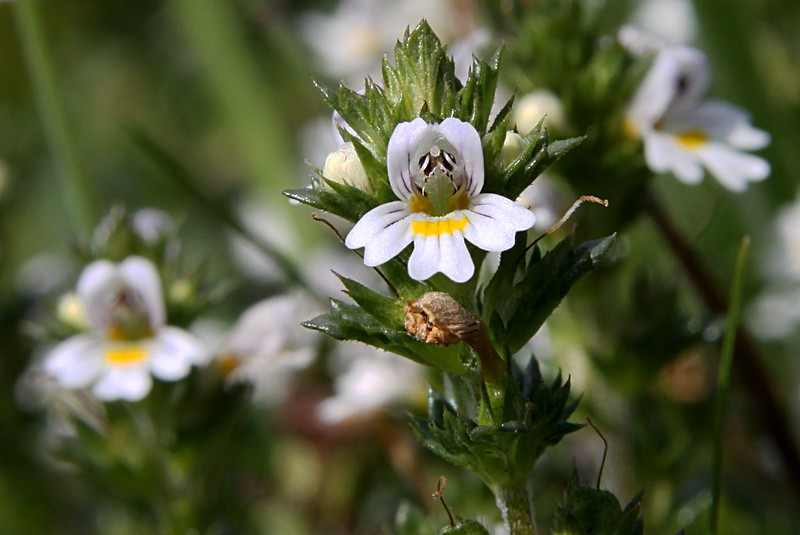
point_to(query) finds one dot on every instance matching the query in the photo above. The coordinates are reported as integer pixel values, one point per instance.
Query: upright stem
(516, 504)
(53, 116)
(749, 366)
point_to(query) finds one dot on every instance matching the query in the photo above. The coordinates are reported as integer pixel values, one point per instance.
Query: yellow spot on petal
(459, 201)
(126, 356)
(691, 139)
(227, 363)
(438, 227)
(421, 204)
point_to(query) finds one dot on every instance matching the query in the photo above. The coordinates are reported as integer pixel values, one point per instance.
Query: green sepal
(588, 510)
(500, 446)
(368, 114)
(422, 75)
(524, 292)
(476, 98)
(352, 322)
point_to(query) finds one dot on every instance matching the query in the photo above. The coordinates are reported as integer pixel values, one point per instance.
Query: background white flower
(268, 345)
(368, 379)
(128, 339)
(682, 133)
(437, 172)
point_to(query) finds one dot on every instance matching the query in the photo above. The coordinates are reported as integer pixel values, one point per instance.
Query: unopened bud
(344, 166)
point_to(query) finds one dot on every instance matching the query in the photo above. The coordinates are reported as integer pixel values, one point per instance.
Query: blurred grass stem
(724, 379)
(749, 366)
(76, 189)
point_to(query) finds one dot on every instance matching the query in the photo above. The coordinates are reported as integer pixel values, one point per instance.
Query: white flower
(128, 337)
(436, 170)
(682, 133)
(368, 379)
(267, 345)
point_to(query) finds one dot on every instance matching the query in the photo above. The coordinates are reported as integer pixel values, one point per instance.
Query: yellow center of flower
(438, 227)
(691, 139)
(126, 356)
(629, 129)
(227, 363)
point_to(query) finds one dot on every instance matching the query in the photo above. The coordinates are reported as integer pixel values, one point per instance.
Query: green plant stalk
(77, 196)
(515, 504)
(723, 379)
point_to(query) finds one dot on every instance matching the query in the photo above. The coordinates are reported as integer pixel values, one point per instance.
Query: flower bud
(344, 166)
(530, 109)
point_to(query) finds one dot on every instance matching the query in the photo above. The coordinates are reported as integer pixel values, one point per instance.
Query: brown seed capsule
(436, 318)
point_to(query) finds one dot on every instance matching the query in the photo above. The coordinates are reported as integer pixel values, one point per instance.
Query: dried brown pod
(437, 318)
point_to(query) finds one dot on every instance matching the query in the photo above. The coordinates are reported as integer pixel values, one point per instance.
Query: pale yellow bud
(513, 146)
(344, 166)
(530, 108)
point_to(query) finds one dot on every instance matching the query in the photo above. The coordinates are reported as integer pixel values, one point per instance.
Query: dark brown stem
(749, 367)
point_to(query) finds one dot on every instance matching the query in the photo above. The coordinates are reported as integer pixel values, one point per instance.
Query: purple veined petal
(493, 224)
(424, 261)
(466, 140)
(383, 232)
(454, 259)
(130, 384)
(402, 160)
(76, 361)
(663, 154)
(733, 169)
(140, 275)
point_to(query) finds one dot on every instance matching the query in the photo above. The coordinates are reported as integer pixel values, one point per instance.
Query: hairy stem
(516, 505)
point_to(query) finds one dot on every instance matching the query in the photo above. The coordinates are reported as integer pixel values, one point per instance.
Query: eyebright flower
(436, 170)
(127, 338)
(267, 346)
(682, 133)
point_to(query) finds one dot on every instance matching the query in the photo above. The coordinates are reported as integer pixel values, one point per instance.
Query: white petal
(384, 231)
(131, 384)
(494, 220)
(173, 352)
(663, 154)
(374, 222)
(424, 261)
(466, 140)
(677, 79)
(454, 259)
(402, 163)
(731, 168)
(75, 362)
(141, 275)
(96, 282)
(723, 121)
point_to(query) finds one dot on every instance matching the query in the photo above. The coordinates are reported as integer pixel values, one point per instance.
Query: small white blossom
(268, 345)
(368, 379)
(128, 339)
(683, 133)
(436, 170)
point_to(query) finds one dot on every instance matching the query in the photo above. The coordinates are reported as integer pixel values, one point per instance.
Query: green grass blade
(723, 379)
